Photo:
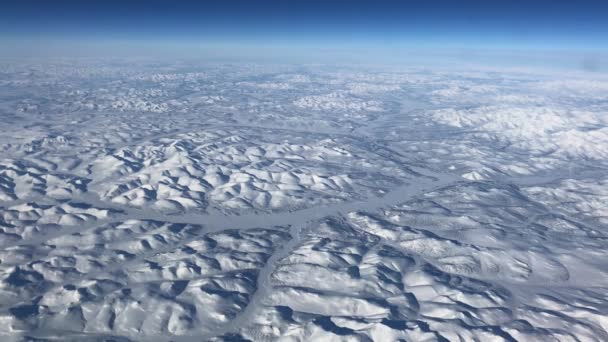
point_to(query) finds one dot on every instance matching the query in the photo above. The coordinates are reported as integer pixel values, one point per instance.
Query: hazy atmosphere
(303, 171)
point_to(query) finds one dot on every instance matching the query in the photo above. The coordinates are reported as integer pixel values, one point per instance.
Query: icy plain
(183, 201)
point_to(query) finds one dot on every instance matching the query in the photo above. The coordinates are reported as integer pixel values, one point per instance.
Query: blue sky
(433, 23)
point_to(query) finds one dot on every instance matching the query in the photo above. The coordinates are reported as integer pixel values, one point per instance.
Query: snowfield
(157, 201)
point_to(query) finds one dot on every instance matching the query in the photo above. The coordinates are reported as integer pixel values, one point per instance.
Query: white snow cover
(185, 201)
(338, 101)
(540, 129)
